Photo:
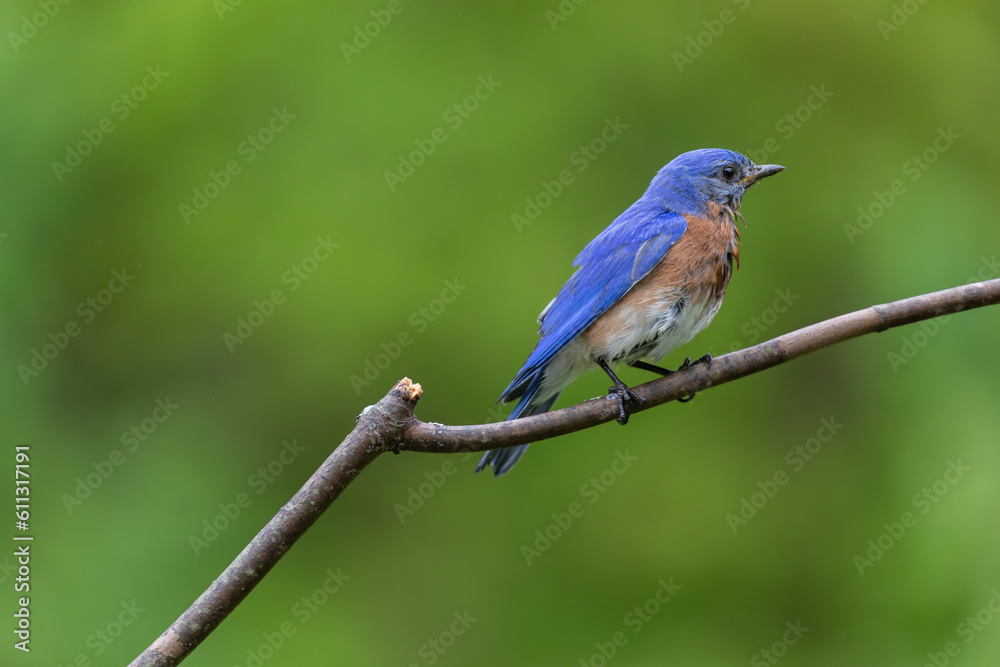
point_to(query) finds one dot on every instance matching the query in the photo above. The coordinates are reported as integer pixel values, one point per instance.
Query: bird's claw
(627, 400)
(705, 359)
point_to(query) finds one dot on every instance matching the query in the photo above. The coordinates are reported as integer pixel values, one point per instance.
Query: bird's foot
(706, 359)
(628, 400)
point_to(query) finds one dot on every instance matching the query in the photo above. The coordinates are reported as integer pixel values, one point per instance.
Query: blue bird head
(708, 181)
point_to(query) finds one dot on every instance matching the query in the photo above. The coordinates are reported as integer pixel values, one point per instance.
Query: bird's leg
(642, 365)
(653, 368)
(626, 397)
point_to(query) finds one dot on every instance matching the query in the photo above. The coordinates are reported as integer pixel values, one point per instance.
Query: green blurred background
(892, 77)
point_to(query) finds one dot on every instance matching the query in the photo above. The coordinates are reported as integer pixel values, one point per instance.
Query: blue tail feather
(502, 460)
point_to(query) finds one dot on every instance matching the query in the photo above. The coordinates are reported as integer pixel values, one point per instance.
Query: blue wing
(608, 267)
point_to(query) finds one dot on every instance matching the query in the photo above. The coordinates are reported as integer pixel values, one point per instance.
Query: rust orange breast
(694, 272)
(700, 263)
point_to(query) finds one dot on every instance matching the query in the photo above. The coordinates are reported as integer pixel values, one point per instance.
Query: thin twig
(424, 437)
(390, 425)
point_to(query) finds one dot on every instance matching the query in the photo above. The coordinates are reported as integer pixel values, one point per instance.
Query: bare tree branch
(390, 425)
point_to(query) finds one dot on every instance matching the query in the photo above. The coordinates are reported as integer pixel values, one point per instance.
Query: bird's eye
(728, 173)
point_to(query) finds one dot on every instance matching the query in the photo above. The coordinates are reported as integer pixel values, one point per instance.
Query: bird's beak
(760, 171)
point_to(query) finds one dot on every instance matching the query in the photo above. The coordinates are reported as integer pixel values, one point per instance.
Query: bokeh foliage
(892, 89)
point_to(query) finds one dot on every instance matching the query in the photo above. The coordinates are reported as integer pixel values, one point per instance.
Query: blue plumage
(703, 185)
(606, 269)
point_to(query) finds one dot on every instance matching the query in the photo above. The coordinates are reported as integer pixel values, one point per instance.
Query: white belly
(652, 334)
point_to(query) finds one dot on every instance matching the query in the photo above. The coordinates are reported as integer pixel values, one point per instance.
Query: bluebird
(644, 286)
